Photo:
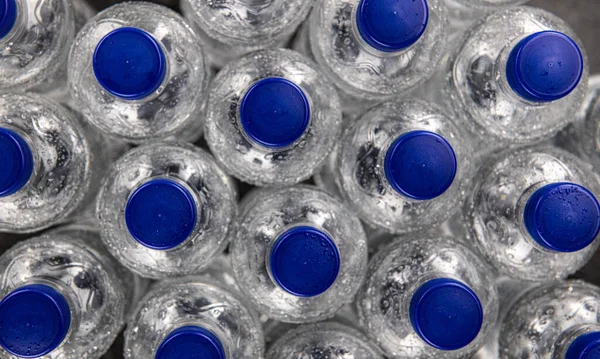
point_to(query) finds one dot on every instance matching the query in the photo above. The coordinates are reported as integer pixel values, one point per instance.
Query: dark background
(582, 15)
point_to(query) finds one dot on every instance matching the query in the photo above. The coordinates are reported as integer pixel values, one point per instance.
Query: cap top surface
(274, 113)
(563, 217)
(161, 214)
(191, 342)
(34, 321)
(420, 165)
(129, 63)
(304, 261)
(16, 163)
(446, 314)
(392, 25)
(545, 66)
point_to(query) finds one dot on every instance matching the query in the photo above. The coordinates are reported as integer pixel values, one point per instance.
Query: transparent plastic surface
(232, 28)
(394, 275)
(175, 108)
(545, 320)
(213, 194)
(364, 75)
(100, 292)
(476, 89)
(265, 215)
(585, 136)
(463, 13)
(357, 173)
(33, 54)
(251, 162)
(68, 158)
(194, 301)
(494, 211)
(323, 341)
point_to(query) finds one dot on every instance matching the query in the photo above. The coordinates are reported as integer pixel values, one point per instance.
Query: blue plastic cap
(586, 346)
(563, 217)
(16, 162)
(190, 343)
(420, 165)
(545, 66)
(392, 25)
(446, 314)
(129, 63)
(8, 16)
(304, 261)
(274, 112)
(161, 214)
(34, 320)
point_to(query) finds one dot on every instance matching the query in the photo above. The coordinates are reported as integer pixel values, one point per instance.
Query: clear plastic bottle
(327, 340)
(551, 321)
(137, 72)
(165, 209)
(272, 118)
(428, 296)
(464, 13)
(517, 77)
(583, 137)
(35, 36)
(63, 296)
(51, 166)
(297, 253)
(193, 317)
(374, 50)
(534, 213)
(403, 166)
(233, 28)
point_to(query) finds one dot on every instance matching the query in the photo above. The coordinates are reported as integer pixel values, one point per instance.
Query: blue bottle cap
(161, 214)
(304, 261)
(563, 217)
(420, 165)
(190, 342)
(16, 162)
(129, 63)
(545, 66)
(446, 314)
(392, 25)
(586, 346)
(8, 16)
(274, 112)
(34, 320)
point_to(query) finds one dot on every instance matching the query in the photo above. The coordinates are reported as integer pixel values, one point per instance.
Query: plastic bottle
(323, 340)
(193, 317)
(581, 137)
(63, 296)
(233, 28)
(403, 166)
(165, 209)
(137, 72)
(534, 213)
(376, 50)
(428, 296)
(35, 36)
(555, 320)
(517, 78)
(272, 118)
(51, 166)
(297, 253)
(464, 13)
